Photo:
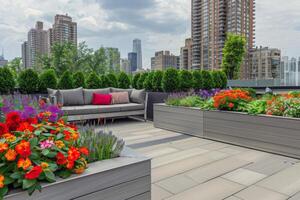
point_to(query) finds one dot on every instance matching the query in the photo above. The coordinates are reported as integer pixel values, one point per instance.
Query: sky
(160, 24)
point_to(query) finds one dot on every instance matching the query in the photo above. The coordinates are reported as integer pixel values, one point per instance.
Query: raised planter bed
(153, 98)
(273, 134)
(127, 177)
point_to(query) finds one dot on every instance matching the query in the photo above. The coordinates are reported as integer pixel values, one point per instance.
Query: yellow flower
(9, 137)
(60, 144)
(44, 165)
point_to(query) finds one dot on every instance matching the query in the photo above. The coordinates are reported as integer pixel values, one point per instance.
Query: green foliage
(207, 80)
(99, 61)
(197, 79)
(135, 80)
(112, 79)
(140, 83)
(123, 81)
(79, 79)
(223, 79)
(48, 79)
(7, 81)
(28, 81)
(170, 81)
(292, 108)
(257, 107)
(186, 80)
(233, 54)
(217, 79)
(105, 81)
(15, 65)
(157, 81)
(148, 82)
(66, 81)
(93, 81)
(101, 145)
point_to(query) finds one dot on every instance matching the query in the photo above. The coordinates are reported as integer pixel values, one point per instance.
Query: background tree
(135, 80)
(48, 79)
(105, 81)
(170, 81)
(123, 81)
(99, 61)
(140, 83)
(207, 80)
(66, 81)
(28, 81)
(233, 54)
(156, 81)
(93, 81)
(149, 81)
(113, 80)
(79, 80)
(186, 80)
(7, 81)
(84, 57)
(15, 65)
(197, 79)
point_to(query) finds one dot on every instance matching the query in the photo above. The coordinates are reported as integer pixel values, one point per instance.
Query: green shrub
(105, 81)
(207, 81)
(198, 81)
(217, 79)
(140, 83)
(28, 81)
(224, 79)
(135, 80)
(112, 80)
(66, 81)
(7, 81)
(157, 81)
(48, 79)
(148, 82)
(170, 81)
(79, 80)
(93, 81)
(186, 80)
(123, 81)
(256, 107)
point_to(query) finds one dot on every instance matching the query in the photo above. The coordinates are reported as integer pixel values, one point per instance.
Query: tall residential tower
(211, 21)
(137, 48)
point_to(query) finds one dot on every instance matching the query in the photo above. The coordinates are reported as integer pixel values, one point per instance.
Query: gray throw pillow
(121, 90)
(138, 96)
(88, 94)
(71, 97)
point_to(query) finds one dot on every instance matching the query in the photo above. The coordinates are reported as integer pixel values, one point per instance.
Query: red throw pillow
(101, 99)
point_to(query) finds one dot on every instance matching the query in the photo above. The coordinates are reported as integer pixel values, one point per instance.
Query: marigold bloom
(9, 137)
(23, 149)
(24, 163)
(3, 147)
(11, 155)
(73, 154)
(34, 173)
(44, 165)
(2, 178)
(60, 144)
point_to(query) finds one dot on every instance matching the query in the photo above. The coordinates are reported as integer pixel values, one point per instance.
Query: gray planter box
(268, 133)
(127, 177)
(179, 119)
(153, 98)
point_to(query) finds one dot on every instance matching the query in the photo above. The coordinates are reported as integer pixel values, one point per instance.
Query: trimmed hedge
(112, 79)
(105, 81)
(135, 80)
(93, 81)
(148, 82)
(79, 80)
(185, 80)
(197, 79)
(48, 79)
(28, 81)
(170, 81)
(66, 81)
(7, 81)
(157, 81)
(207, 80)
(140, 83)
(123, 81)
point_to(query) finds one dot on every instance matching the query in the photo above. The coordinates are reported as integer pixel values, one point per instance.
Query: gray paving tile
(156, 142)
(244, 176)
(259, 193)
(295, 197)
(157, 193)
(233, 198)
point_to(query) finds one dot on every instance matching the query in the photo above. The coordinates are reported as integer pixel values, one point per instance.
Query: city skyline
(102, 24)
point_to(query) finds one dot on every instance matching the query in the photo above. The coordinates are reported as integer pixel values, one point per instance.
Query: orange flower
(23, 148)
(73, 154)
(9, 137)
(70, 164)
(60, 144)
(79, 170)
(84, 151)
(11, 155)
(44, 165)
(3, 147)
(24, 163)
(2, 178)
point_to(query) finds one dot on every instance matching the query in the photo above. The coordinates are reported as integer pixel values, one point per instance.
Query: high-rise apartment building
(63, 30)
(36, 45)
(132, 58)
(265, 63)
(186, 55)
(211, 21)
(163, 60)
(137, 48)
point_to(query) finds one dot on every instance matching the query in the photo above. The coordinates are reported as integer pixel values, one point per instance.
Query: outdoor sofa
(77, 103)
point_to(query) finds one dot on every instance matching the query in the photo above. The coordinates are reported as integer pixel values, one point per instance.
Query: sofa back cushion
(88, 94)
(72, 97)
(120, 97)
(101, 99)
(121, 90)
(138, 96)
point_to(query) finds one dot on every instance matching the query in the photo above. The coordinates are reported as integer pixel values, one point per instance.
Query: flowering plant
(36, 148)
(231, 99)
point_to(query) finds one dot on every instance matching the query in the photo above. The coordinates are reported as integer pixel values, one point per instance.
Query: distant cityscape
(203, 50)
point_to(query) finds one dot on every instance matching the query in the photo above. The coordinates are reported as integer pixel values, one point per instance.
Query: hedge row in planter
(29, 81)
(173, 80)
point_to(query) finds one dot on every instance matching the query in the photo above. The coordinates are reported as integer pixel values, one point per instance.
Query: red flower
(23, 149)
(25, 126)
(3, 129)
(230, 105)
(84, 151)
(33, 120)
(67, 135)
(60, 159)
(13, 119)
(34, 173)
(73, 154)
(70, 164)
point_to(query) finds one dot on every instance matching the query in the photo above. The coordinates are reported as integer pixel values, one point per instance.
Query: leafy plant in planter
(148, 82)
(112, 80)
(186, 80)
(198, 80)
(48, 79)
(140, 83)
(66, 81)
(79, 80)
(157, 81)
(123, 81)
(207, 80)
(93, 81)
(292, 107)
(135, 80)
(7, 81)
(28, 81)
(257, 107)
(170, 81)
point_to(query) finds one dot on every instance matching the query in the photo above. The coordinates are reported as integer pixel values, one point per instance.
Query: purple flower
(46, 144)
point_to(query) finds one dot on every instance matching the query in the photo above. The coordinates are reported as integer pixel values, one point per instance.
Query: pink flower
(46, 144)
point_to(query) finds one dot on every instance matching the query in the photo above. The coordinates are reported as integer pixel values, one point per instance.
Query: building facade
(133, 63)
(63, 30)
(125, 66)
(211, 21)
(290, 69)
(265, 63)
(186, 55)
(25, 55)
(163, 60)
(137, 48)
